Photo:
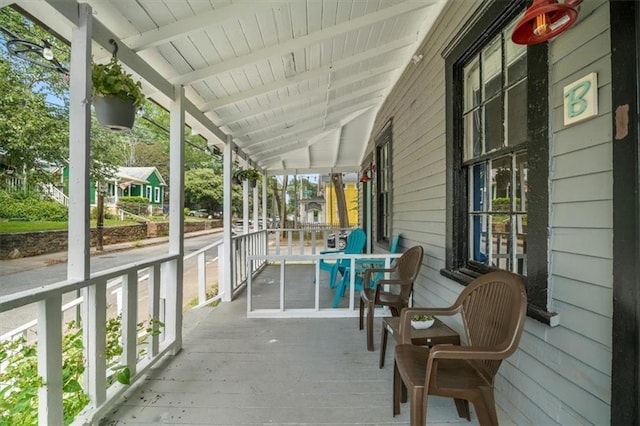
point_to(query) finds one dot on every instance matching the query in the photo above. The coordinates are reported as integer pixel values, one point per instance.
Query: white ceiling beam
(310, 128)
(384, 49)
(185, 27)
(291, 146)
(287, 120)
(305, 96)
(304, 41)
(311, 111)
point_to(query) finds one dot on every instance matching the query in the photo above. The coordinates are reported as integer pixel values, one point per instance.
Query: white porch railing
(162, 297)
(287, 286)
(143, 290)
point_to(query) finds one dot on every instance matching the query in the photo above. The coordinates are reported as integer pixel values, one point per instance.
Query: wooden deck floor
(239, 371)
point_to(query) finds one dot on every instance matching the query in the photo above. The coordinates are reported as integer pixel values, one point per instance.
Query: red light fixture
(544, 20)
(367, 173)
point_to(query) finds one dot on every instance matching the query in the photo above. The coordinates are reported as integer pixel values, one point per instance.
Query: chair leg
(397, 389)
(332, 278)
(361, 313)
(485, 407)
(462, 406)
(370, 326)
(383, 344)
(418, 410)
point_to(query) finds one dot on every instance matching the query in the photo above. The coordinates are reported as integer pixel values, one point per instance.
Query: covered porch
(238, 370)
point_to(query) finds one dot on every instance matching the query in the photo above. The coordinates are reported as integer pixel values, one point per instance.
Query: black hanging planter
(114, 113)
(252, 183)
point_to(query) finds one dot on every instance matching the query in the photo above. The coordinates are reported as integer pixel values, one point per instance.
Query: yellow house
(350, 181)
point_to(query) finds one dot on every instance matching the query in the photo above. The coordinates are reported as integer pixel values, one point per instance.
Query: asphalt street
(27, 273)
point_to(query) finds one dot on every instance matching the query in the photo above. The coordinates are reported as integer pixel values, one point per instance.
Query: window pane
(501, 184)
(522, 187)
(472, 142)
(500, 241)
(493, 124)
(516, 111)
(521, 244)
(471, 85)
(515, 57)
(478, 249)
(492, 68)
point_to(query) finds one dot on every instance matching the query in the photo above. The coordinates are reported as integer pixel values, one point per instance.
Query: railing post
(130, 320)
(202, 277)
(95, 331)
(154, 310)
(50, 361)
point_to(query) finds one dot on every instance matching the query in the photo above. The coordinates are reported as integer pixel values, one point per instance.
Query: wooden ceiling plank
(293, 44)
(186, 27)
(372, 53)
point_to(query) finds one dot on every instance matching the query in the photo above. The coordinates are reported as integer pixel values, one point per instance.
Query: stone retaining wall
(25, 244)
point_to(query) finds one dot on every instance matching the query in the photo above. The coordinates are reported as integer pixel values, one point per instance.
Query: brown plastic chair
(493, 309)
(405, 270)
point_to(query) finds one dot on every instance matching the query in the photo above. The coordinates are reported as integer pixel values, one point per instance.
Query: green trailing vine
(20, 382)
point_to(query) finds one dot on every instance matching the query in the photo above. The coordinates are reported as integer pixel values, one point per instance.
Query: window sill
(464, 276)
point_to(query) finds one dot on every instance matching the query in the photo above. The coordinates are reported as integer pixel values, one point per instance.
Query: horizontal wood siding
(559, 375)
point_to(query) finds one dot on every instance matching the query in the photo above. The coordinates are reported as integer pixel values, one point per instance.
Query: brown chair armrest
(468, 352)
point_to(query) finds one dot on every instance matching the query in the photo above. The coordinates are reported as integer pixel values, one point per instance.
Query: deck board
(235, 370)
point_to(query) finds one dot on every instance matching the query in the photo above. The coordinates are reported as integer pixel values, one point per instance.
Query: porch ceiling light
(544, 20)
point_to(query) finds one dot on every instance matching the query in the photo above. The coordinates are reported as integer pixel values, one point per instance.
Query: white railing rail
(54, 193)
(162, 296)
(242, 247)
(317, 310)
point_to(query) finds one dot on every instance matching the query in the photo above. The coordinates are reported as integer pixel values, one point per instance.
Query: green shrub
(29, 206)
(107, 215)
(135, 205)
(19, 380)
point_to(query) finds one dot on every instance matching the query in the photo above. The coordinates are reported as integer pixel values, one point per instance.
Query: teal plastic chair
(361, 266)
(355, 245)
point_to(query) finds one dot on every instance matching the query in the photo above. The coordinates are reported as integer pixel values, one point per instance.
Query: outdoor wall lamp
(32, 52)
(367, 174)
(545, 19)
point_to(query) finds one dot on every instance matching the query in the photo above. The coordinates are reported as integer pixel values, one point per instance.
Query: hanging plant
(251, 175)
(116, 96)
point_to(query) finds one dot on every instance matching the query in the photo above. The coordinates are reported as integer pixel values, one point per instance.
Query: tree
(341, 202)
(204, 188)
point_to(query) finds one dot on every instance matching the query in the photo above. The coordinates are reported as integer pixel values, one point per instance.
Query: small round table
(439, 333)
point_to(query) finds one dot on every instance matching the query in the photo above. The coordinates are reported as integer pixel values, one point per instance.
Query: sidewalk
(12, 266)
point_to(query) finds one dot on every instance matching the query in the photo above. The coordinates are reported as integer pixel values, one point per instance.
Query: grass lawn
(7, 227)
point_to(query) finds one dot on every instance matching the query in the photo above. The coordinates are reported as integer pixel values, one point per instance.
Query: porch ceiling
(296, 83)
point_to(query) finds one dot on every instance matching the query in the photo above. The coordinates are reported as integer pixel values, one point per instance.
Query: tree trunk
(341, 201)
(100, 219)
(280, 198)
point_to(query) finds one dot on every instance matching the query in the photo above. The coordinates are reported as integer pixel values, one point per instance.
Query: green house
(144, 182)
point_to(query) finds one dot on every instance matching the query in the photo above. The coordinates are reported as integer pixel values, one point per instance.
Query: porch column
(264, 200)
(245, 203)
(78, 266)
(256, 225)
(226, 277)
(79, 146)
(174, 269)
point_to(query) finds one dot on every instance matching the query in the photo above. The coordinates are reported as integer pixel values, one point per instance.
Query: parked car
(238, 227)
(342, 240)
(199, 213)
